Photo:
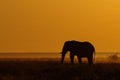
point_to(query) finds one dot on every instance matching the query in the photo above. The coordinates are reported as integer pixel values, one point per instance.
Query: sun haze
(44, 25)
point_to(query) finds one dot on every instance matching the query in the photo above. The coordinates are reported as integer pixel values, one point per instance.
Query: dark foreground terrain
(53, 70)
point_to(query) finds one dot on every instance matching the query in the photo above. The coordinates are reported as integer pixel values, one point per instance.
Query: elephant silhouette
(80, 49)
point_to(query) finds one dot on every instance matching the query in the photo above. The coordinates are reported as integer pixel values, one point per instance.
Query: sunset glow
(44, 25)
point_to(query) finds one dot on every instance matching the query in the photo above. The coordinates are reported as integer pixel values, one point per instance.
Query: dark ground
(53, 70)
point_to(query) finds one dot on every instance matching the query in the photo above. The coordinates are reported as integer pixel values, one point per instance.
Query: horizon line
(60, 52)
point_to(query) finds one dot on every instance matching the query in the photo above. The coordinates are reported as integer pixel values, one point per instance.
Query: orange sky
(44, 25)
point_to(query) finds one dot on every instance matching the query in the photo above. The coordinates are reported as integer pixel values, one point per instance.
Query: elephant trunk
(64, 51)
(63, 56)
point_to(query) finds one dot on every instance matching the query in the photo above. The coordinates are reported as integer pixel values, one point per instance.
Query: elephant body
(80, 49)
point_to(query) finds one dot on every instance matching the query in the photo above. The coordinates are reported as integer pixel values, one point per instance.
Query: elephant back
(88, 46)
(79, 46)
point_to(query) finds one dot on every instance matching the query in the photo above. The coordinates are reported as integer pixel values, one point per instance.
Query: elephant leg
(72, 58)
(90, 60)
(79, 59)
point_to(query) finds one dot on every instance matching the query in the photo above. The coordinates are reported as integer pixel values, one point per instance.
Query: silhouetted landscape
(51, 69)
(60, 40)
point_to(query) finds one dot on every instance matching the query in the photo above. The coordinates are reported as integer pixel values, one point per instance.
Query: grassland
(53, 70)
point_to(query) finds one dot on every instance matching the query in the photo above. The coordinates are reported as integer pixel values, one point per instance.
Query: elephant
(79, 49)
